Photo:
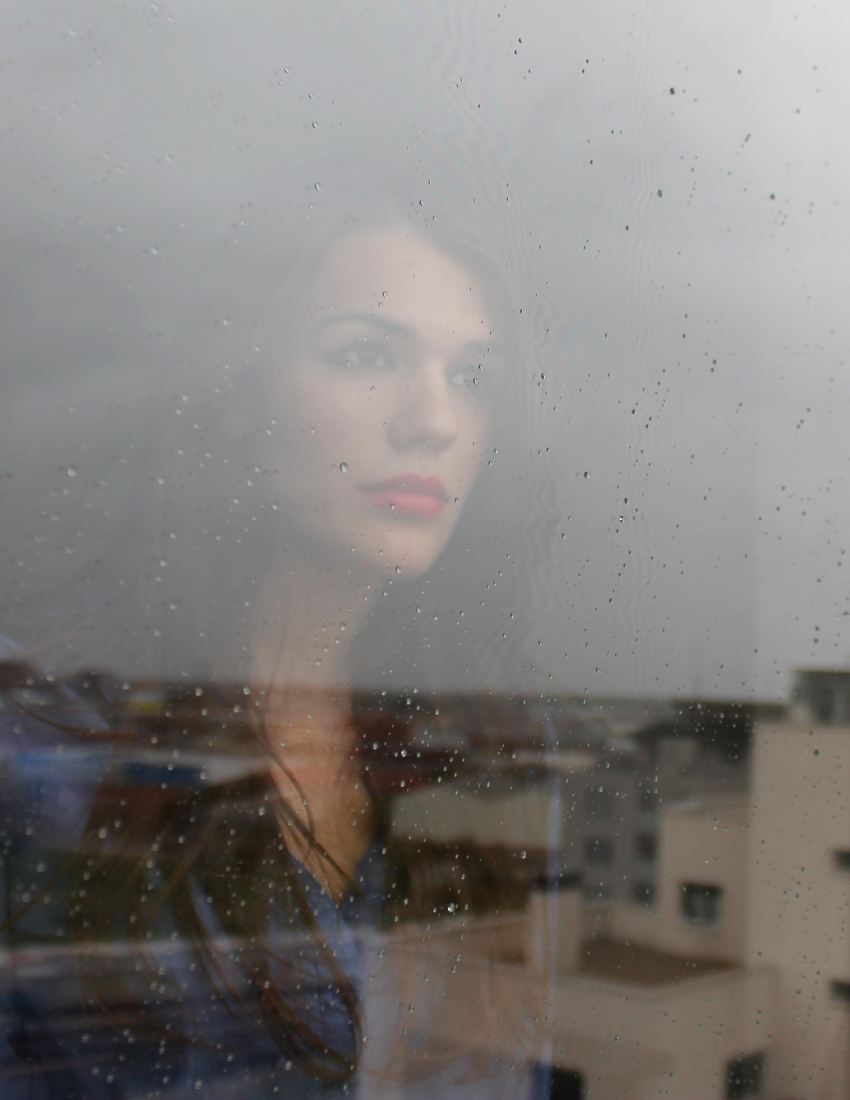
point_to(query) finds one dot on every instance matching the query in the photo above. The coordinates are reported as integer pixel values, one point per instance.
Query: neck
(310, 613)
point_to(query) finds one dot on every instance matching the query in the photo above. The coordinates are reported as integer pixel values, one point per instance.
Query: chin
(408, 558)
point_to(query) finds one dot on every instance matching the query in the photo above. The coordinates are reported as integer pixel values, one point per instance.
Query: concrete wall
(799, 920)
(672, 1041)
(448, 813)
(707, 844)
(785, 916)
(554, 931)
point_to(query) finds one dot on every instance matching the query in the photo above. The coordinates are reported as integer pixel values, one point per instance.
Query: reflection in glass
(211, 867)
(420, 466)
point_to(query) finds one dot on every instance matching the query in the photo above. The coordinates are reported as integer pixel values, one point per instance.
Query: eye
(470, 377)
(362, 354)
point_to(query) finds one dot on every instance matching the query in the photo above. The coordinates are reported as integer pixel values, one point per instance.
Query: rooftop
(718, 811)
(634, 964)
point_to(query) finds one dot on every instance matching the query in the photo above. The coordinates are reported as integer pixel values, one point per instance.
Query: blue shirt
(55, 1044)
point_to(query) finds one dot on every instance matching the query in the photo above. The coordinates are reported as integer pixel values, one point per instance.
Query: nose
(426, 416)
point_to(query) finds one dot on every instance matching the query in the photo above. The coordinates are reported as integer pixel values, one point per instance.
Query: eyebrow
(394, 328)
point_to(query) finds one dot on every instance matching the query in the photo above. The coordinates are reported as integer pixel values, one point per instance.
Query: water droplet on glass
(343, 467)
(71, 471)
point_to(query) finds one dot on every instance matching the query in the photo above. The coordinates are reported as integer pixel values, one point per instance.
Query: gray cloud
(686, 247)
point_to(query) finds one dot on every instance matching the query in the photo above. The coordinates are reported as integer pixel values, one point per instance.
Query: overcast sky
(680, 177)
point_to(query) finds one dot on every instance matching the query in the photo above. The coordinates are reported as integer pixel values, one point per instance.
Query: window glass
(424, 649)
(701, 904)
(644, 893)
(646, 847)
(841, 991)
(598, 850)
(648, 799)
(744, 1076)
(599, 804)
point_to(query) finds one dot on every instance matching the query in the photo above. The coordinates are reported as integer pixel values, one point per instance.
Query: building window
(701, 903)
(646, 846)
(557, 1084)
(744, 1076)
(597, 803)
(841, 991)
(598, 851)
(842, 859)
(820, 702)
(643, 893)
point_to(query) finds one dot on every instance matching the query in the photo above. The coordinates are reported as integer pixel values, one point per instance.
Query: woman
(227, 934)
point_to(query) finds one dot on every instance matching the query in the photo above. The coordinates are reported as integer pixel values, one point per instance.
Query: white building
(735, 984)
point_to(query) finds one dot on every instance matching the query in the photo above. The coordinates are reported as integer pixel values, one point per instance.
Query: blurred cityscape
(681, 867)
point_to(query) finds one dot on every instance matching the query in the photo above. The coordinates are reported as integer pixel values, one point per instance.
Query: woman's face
(381, 402)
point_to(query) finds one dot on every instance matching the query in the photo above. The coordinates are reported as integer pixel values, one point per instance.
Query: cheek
(325, 415)
(349, 425)
(474, 439)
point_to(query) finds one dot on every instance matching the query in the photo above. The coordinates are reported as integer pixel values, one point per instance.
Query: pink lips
(409, 494)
